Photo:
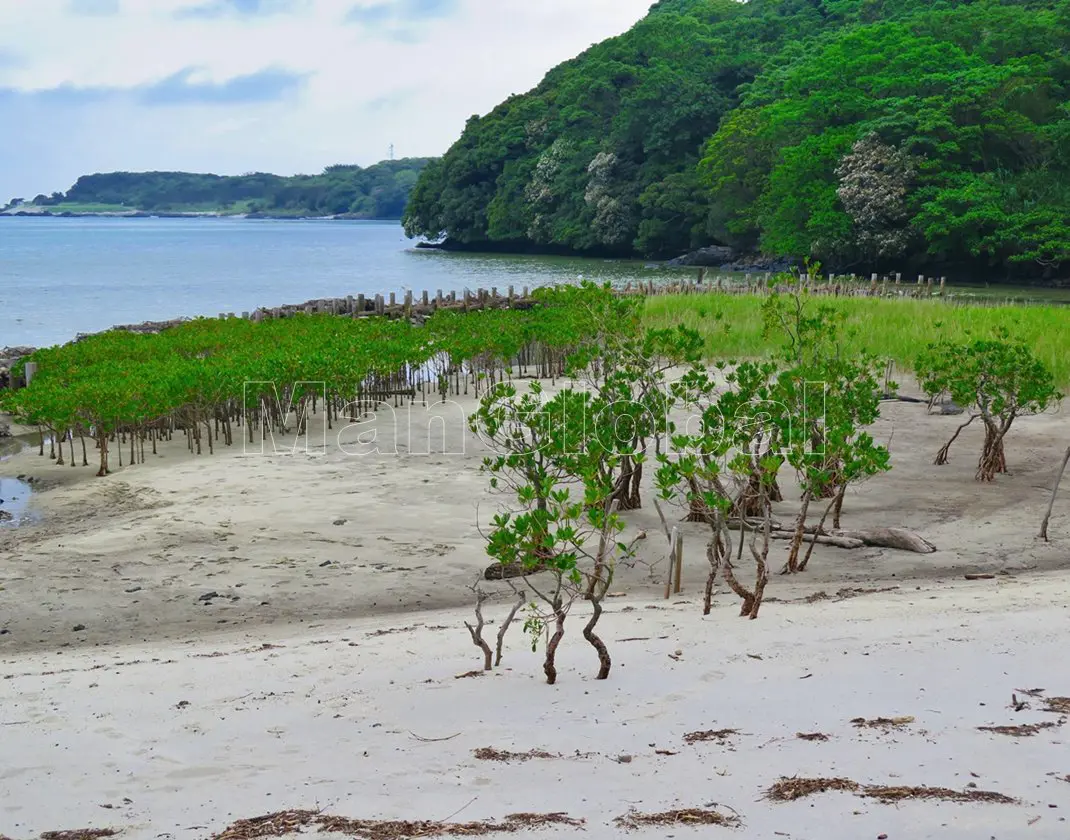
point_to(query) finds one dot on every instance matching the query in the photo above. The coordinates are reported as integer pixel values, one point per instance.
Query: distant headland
(380, 191)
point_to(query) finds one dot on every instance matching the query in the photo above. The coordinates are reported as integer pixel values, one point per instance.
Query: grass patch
(897, 329)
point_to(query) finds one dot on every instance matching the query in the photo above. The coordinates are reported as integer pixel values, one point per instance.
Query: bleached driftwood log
(890, 538)
(822, 539)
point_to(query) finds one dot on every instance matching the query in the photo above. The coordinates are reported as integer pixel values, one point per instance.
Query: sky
(284, 86)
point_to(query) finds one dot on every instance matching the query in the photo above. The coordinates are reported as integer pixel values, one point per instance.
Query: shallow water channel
(14, 503)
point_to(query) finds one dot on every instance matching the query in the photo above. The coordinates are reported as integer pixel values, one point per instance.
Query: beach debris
(78, 628)
(1024, 730)
(493, 754)
(624, 758)
(391, 630)
(685, 816)
(1057, 705)
(469, 674)
(980, 577)
(80, 834)
(721, 736)
(897, 538)
(891, 795)
(1018, 705)
(883, 722)
(208, 596)
(789, 789)
(811, 736)
(284, 823)
(433, 740)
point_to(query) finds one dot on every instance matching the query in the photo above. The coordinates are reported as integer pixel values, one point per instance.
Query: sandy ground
(133, 619)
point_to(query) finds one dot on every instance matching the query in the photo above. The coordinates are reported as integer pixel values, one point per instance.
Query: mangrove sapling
(575, 571)
(626, 367)
(720, 463)
(826, 397)
(536, 446)
(542, 452)
(1000, 379)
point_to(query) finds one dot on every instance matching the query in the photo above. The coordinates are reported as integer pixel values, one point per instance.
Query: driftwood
(890, 538)
(822, 539)
(876, 537)
(500, 571)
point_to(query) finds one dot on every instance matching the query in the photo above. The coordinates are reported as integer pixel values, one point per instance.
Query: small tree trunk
(477, 631)
(800, 529)
(1054, 493)
(760, 558)
(505, 626)
(604, 662)
(817, 533)
(549, 667)
(103, 444)
(993, 457)
(838, 507)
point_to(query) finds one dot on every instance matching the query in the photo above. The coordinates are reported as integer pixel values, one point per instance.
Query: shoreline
(146, 214)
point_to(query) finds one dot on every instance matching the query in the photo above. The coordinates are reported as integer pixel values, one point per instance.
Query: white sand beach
(263, 632)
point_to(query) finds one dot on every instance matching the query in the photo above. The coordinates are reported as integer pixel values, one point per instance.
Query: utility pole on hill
(391, 151)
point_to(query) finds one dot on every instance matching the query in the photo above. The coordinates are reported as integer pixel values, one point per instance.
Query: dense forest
(864, 133)
(376, 192)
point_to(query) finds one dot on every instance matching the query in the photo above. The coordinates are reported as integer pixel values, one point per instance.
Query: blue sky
(284, 86)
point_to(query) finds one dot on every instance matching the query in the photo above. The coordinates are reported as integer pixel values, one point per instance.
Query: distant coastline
(54, 213)
(375, 193)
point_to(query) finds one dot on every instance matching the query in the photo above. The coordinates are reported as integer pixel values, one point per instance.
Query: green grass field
(894, 328)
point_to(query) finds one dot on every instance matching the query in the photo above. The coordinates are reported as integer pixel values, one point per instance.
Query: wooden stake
(678, 565)
(673, 539)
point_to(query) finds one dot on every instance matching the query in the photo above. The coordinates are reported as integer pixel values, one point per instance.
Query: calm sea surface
(60, 277)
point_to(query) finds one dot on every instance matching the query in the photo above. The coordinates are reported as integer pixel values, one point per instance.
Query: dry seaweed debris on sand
(492, 754)
(404, 829)
(1023, 730)
(684, 816)
(283, 823)
(80, 834)
(269, 825)
(811, 736)
(883, 722)
(790, 789)
(721, 736)
(891, 794)
(1057, 705)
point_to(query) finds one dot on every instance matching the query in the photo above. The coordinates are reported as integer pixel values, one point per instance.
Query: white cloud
(407, 72)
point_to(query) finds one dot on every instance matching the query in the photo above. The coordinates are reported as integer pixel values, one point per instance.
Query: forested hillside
(859, 132)
(376, 192)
